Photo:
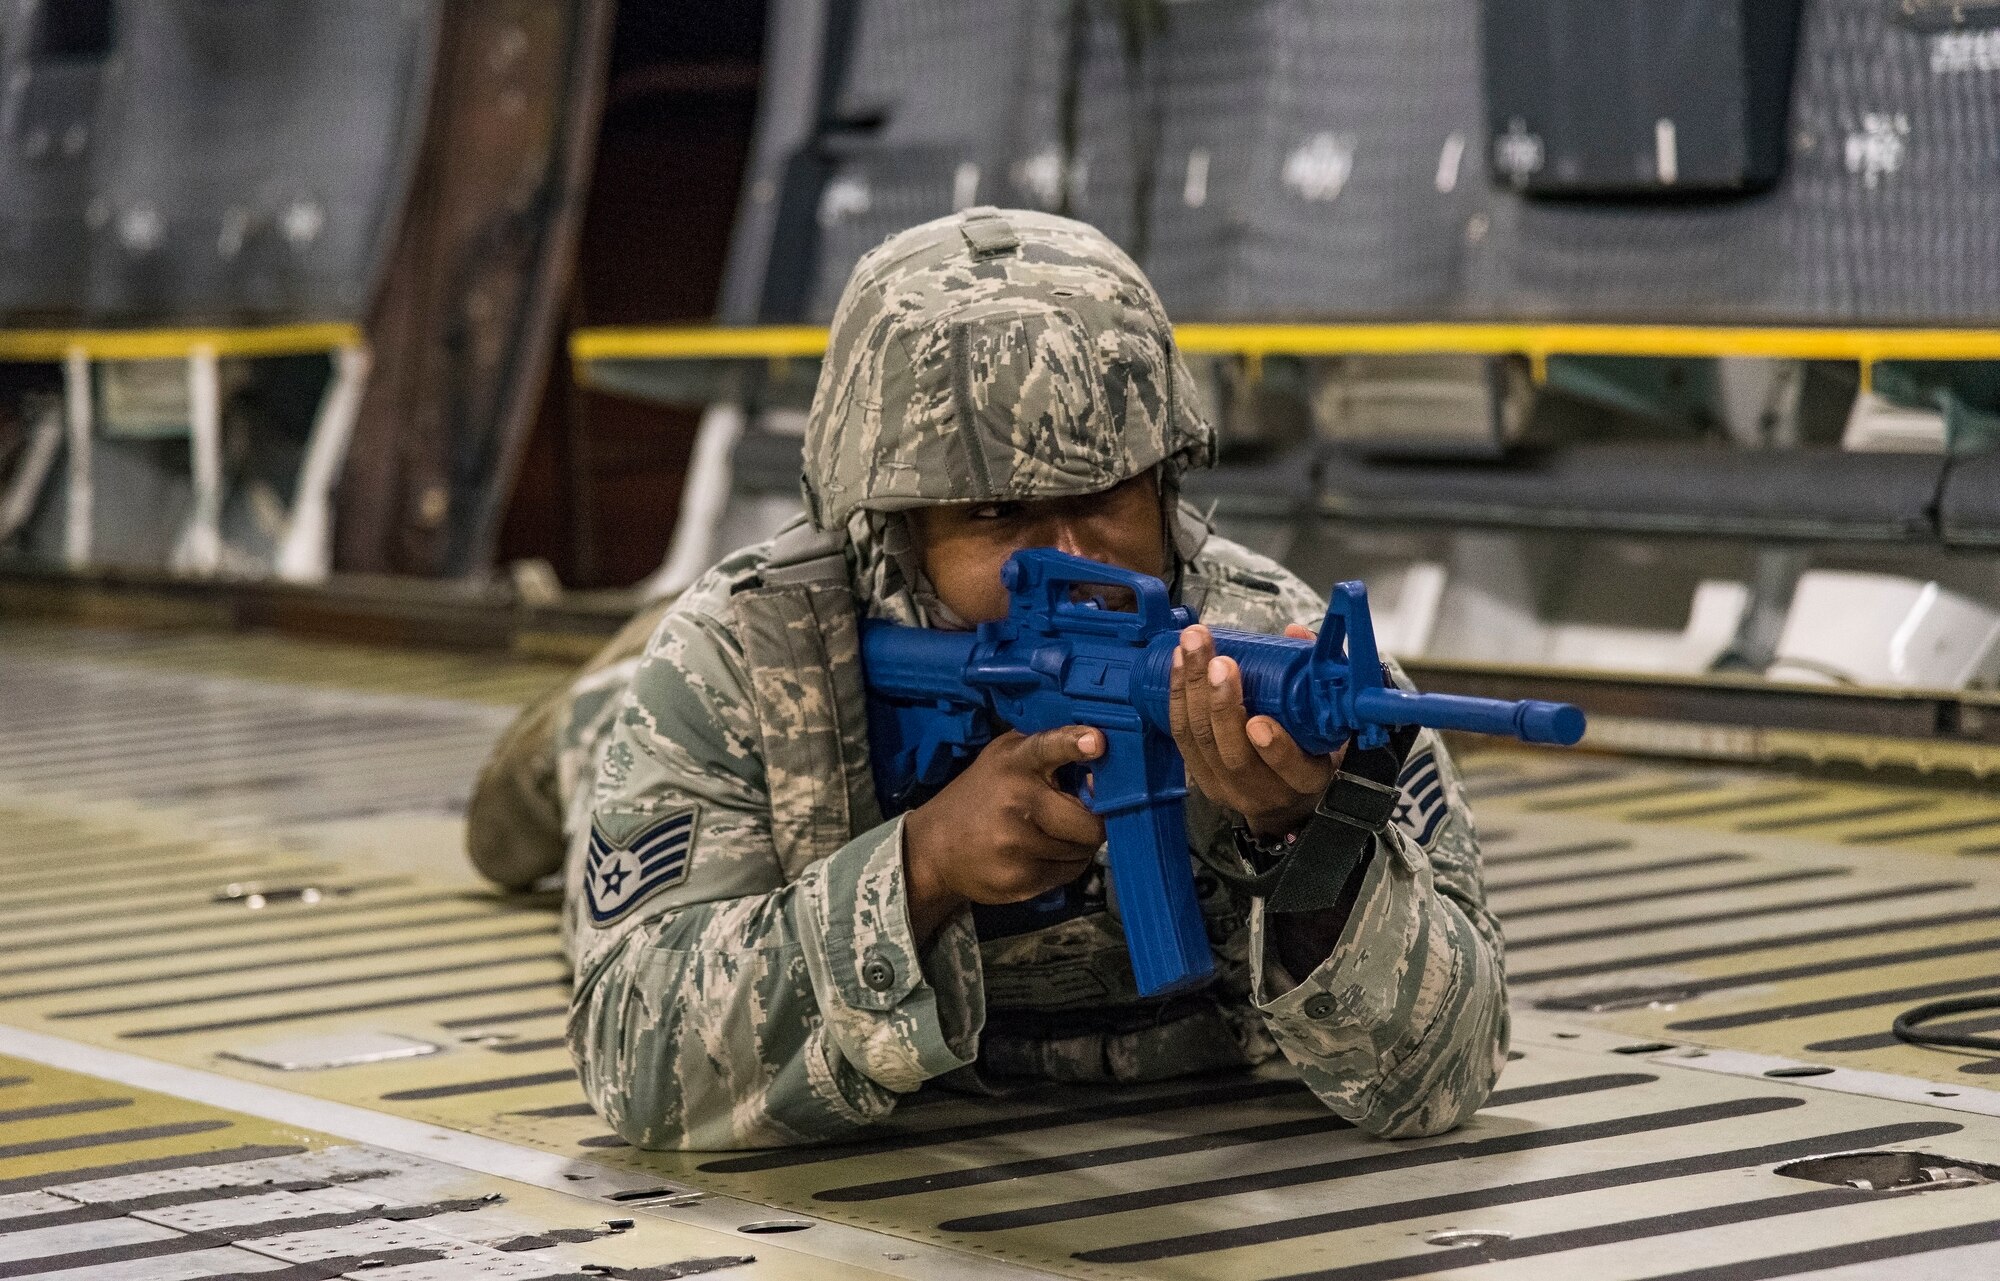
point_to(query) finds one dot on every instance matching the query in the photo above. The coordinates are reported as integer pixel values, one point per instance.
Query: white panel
(234, 1212)
(1885, 630)
(15, 1205)
(41, 1243)
(224, 1262)
(477, 1267)
(1879, 426)
(348, 1049)
(336, 1243)
(326, 1164)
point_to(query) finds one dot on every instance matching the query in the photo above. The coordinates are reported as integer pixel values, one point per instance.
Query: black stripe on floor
(1852, 814)
(1677, 892)
(528, 1047)
(429, 944)
(1514, 1194)
(1559, 851)
(490, 1086)
(1626, 797)
(151, 1165)
(1810, 938)
(560, 1110)
(1886, 1040)
(289, 939)
(70, 1108)
(326, 1011)
(277, 914)
(1837, 1256)
(97, 1211)
(1615, 870)
(1835, 1004)
(1108, 1109)
(1932, 829)
(317, 985)
(1791, 908)
(511, 1016)
(1407, 1158)
(106, 1138)
(1676, 813)
(1128, 1152)
(141, 887)
(210, 1238)
(1708, 1216)
(159, 857)
(1545, 782)
(343, 1265)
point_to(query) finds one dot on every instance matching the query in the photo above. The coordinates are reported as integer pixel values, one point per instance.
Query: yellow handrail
(171, 344)
(1537, 341)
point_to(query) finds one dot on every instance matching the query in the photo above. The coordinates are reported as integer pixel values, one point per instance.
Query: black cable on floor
(1905, 1026)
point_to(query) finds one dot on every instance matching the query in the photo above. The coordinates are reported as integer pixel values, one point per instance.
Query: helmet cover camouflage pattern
(996, 354)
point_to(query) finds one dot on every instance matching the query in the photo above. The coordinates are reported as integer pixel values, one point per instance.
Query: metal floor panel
(135, 1183)
(1625, 1144)
(325, 664)
(1796, 927)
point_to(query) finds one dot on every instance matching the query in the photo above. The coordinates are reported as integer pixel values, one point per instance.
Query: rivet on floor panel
(1468, 1236)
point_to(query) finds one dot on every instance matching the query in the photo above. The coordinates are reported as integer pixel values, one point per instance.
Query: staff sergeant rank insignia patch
(621, 874)
(1422, 807)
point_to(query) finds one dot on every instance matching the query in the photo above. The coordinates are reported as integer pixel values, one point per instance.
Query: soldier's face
(964, 545)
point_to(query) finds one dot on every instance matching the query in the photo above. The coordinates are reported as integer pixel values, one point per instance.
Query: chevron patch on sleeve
(620, 875)
(1422, 807)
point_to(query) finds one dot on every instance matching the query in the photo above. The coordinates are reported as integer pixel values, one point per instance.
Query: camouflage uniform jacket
(725, 999)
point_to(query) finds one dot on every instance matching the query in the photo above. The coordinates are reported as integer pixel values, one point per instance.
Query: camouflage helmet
(996, 354)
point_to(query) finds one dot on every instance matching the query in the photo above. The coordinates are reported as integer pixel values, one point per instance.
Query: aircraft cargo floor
(258, 1018)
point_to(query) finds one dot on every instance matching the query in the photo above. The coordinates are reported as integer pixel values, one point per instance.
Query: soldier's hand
(1002, 831)
(1245, 763)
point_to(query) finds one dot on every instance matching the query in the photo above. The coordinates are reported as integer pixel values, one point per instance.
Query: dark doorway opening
(599, 486)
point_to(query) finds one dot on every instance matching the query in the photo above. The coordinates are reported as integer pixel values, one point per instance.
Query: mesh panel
(1327, 158)
(1889, 210)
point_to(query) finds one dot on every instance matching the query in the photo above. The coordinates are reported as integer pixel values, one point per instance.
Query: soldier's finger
(1297, 632)
(1227, 717)
(1181, 715)
(1302, 773)
(1197, 653)
(1177, 696)
(1062, 817)
(1052, 749)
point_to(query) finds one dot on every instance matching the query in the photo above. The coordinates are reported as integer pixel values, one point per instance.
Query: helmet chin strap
(1180, 537)
(890, 533)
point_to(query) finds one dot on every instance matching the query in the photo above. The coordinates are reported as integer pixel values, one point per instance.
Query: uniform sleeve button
(877, 970)
(1320, 1006)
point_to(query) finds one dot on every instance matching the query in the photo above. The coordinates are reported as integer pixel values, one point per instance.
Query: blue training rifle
(1063, 656)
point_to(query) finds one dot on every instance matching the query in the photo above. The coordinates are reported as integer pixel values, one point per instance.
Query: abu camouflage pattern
(995, 354)
(770, 991)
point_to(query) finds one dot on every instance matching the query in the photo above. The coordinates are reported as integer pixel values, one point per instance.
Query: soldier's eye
(996, 511)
